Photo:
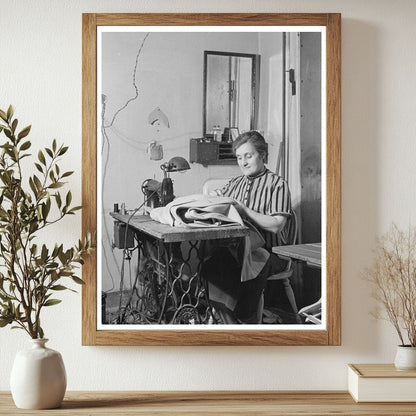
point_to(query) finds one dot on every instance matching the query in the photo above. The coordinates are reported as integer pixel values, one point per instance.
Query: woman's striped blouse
(266, 193)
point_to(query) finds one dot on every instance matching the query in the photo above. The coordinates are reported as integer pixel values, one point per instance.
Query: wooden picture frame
(331, 334)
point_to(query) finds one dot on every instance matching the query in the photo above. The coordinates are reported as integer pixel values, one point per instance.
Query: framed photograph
(211, 172)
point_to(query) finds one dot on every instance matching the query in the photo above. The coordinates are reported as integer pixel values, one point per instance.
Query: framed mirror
(230, 84)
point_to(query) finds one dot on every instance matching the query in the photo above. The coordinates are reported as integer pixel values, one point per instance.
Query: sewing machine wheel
(187, 315)
(149, 294)
(150, 305)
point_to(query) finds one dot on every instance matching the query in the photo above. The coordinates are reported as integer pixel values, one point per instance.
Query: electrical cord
(107, 141)
(124, 250)
(136, 88)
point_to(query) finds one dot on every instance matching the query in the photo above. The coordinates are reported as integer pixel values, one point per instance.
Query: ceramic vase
(405, 358)
(38, 377)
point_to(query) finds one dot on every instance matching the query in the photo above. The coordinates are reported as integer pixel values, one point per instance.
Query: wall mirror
(229, 91)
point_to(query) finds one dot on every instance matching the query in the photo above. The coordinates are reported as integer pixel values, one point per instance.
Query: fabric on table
(204, 211)
(198, 211)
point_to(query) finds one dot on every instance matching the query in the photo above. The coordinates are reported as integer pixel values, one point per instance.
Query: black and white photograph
(211, 190)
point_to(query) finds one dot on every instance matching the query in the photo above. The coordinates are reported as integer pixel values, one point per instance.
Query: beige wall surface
(40, 74)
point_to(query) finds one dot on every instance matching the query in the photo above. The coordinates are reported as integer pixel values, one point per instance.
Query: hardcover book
(381, 383)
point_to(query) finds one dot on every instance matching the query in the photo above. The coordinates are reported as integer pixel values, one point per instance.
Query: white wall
(271, 91)
(41, 75)
(169, 75)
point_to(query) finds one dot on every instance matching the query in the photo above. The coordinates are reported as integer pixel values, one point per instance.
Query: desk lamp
(160, 194)
(176, 164)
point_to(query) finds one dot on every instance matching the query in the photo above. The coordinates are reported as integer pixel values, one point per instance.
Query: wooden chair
(288, 237)
(211, 185)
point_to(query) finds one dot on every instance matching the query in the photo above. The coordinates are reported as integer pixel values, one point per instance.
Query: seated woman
(263, 199)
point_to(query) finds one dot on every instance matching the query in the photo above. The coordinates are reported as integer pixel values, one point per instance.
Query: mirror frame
(254, 87)
(331, 335)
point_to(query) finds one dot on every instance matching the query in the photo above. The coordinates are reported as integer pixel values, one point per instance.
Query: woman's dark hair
(256, 139)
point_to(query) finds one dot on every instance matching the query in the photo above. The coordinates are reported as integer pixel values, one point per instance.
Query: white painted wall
(40, 74)
(169, 75)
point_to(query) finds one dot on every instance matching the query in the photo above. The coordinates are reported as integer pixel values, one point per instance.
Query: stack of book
(381, 383)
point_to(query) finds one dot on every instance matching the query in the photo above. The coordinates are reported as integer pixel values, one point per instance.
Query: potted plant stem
(31, 273)
(393, 277)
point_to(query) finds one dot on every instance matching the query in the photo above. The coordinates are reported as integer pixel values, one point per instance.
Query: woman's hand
(269, 223)
(240, 207)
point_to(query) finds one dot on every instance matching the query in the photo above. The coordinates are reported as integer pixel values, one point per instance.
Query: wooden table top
(182, 403)
(168, 234)
(310, 253)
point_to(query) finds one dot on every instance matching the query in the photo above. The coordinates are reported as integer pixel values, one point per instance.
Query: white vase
(405, 358)
(38, 377)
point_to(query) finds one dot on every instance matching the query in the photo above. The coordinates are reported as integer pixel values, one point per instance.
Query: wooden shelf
(211, 153)
(180, 403)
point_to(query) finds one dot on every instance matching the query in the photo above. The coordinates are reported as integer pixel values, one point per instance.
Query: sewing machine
(157, 193)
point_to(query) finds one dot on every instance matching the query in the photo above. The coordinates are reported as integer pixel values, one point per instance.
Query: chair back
(211, 185)
(288, 235)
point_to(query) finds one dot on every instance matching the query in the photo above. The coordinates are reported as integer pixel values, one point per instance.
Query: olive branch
(31, 273)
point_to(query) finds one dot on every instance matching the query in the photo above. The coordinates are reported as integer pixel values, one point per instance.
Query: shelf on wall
(211, 153)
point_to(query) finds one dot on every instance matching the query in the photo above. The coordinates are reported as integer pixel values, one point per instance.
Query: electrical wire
(136, 142)
(136, 88)
(107, 141)
(121, 316)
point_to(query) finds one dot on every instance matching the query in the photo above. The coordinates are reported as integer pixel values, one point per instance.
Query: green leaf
(63, 150)
(68, 199)
(8, 133)
(34, 249)
(51, 302)
(41, 157)
(77, 208)
(67, 174)
(24, 132)
(54, 145)
(39, 167)
(48, 202)
(62, 257)
(40, 331)
(14, 125)
(25, 145)
(49, 152)
(66, 273)
(37, 183)
(10, 112)
(58, 199)
(45, 211)
(59, 287)
(44, 253)
(57, 249)
(33, 187)
(76, 279)
(56, 185)
(5, 321)
(3, 115)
